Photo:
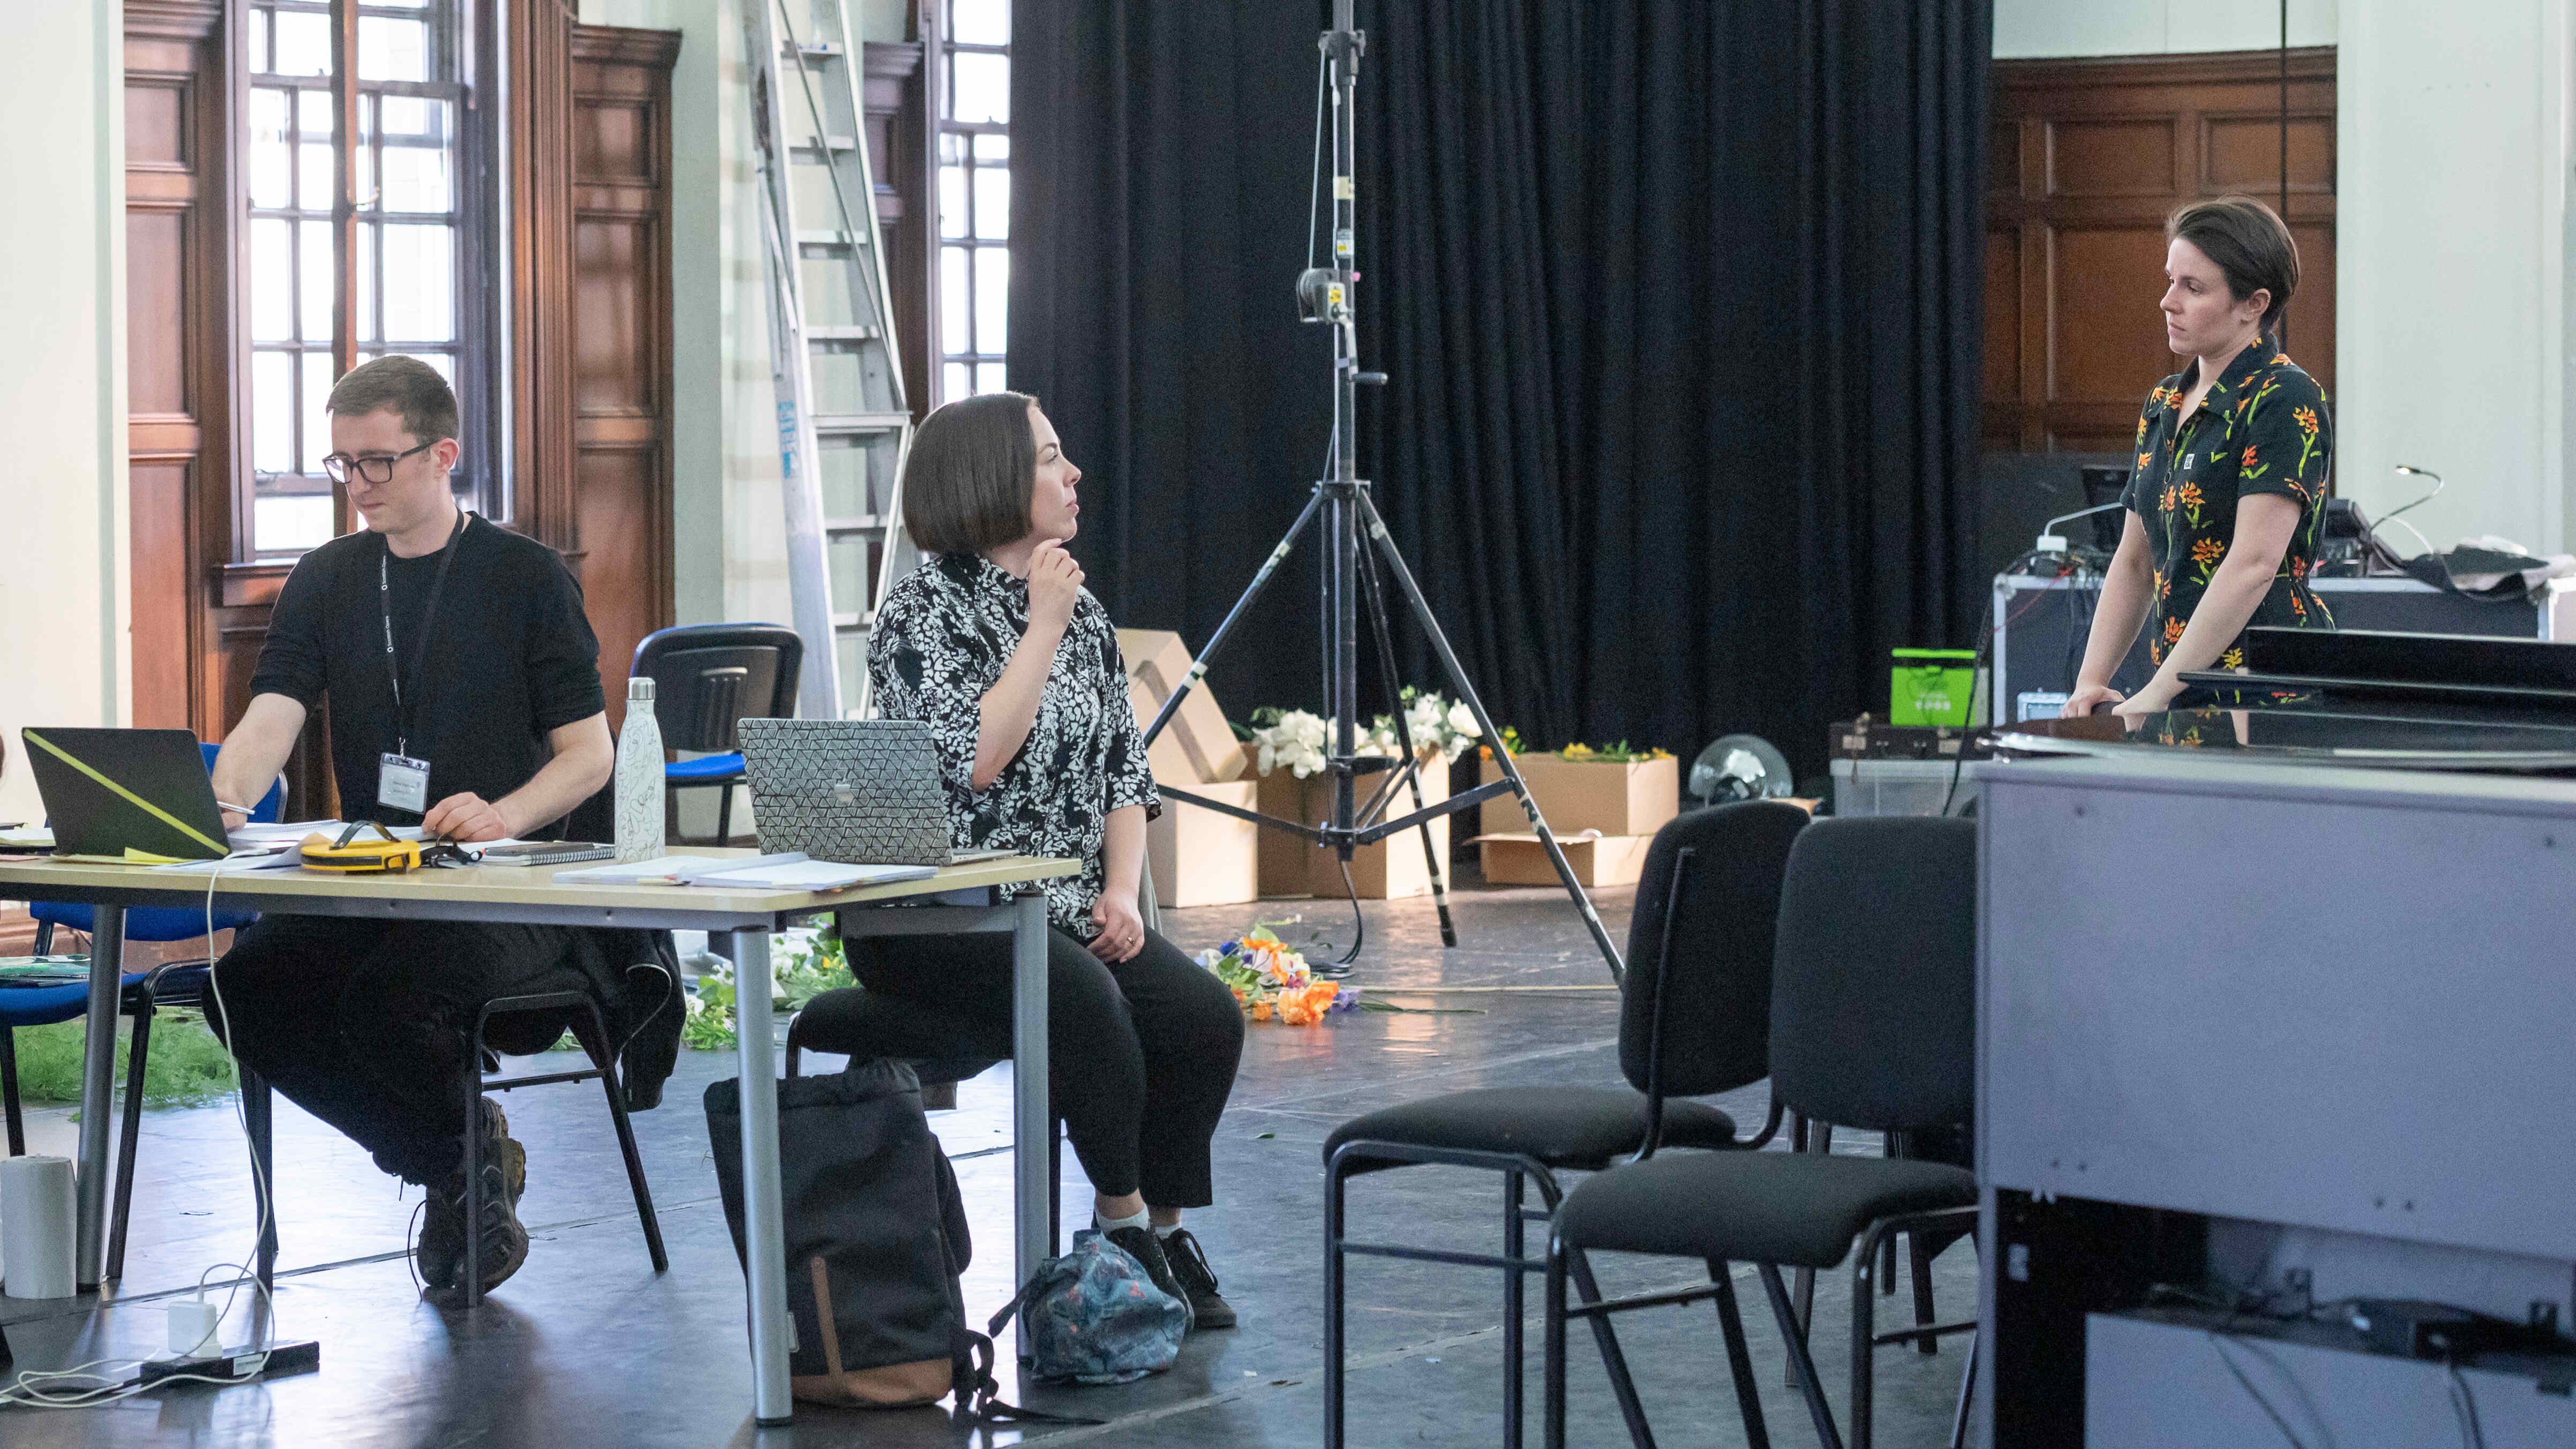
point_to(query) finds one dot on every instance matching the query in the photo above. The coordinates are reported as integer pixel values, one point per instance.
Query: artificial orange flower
(2190, 496)
(2307, 420)
(2248, 461)
(2207, 551)
(2145, 459)
(2173, 631)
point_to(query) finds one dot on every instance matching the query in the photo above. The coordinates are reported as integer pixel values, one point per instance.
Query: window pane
(391, 49)
(367, 285)
(313, 114)
(420, 284)
(318, 378)
(407, 115)
(416, 176)
(988, 377)
(953, 301)
(291, 522)
(953, 383)
(272, 412)
(272, 282)
(258, 41)
(992, 203)
(303, 44)
(272, 180)
(979, 88)
(991, 147)
(952, 201)
(980, 22)
(317, 257)
(992, 299)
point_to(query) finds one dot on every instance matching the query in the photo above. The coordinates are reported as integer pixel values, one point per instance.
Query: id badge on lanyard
(402, 781)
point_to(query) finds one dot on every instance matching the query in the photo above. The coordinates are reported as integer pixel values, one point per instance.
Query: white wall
(64, 653)
(2026, 29)
(2451, 242)
(2451, 237)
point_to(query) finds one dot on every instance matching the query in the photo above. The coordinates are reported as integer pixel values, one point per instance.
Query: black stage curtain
(1680, 303)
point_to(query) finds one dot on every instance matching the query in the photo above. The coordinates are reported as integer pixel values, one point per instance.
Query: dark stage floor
(587, 1347)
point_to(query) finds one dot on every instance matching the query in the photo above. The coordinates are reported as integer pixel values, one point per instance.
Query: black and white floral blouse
(941, 641)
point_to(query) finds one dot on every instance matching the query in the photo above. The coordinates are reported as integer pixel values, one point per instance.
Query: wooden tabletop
(491, 892)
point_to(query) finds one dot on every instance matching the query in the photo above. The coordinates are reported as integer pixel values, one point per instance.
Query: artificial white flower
(1462, 721)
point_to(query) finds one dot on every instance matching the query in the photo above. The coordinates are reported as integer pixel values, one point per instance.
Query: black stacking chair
(943, 1048)
(1694, 1018)
(1873, 1025)
(706, 678)
(516, 1014)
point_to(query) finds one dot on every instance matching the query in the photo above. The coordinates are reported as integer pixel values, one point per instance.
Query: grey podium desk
(969, 898)
(2236, 1018)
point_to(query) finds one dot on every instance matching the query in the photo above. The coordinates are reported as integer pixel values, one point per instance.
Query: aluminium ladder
(844, 423)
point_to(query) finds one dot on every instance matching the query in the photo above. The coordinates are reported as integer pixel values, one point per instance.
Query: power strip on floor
(302, 1356)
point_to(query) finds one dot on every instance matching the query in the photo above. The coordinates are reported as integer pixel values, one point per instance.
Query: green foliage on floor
(803, 964)
(186, 1066)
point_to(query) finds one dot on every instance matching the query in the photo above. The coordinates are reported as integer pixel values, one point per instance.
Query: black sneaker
(441, 1254)
(1142, 1245)
(1190, 1265)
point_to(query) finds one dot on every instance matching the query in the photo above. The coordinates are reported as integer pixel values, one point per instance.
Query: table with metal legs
(988, 896)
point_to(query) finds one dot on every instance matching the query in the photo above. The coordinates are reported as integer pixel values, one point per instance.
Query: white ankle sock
(1162, 1231)
(1111, 1225)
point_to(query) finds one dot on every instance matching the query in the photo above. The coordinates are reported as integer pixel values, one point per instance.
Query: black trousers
(367, 1024)
(1140, 1054)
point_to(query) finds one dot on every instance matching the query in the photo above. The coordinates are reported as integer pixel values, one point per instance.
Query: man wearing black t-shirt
(464, 694)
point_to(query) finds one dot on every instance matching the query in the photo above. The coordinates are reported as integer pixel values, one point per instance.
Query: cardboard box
(1391, 869)
(1197, 745)
(1517, 858)
(1576, 796)
(1285, 868)
(1202, 858)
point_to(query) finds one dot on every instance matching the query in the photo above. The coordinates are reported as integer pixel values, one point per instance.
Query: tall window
(417, 227)
(974, 197)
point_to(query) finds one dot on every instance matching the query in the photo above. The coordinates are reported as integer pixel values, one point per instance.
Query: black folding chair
(707, 678)
(1873, 1025)
(1694, 1018)
(591, 1031)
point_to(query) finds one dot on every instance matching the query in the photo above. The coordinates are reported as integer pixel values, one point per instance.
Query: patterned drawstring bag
(1094, 1317)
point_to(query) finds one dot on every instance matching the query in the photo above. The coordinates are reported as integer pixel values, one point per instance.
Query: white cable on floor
(33, 1387)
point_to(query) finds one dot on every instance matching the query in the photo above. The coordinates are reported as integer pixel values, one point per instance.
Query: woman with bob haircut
(995, 644)
(2230, 488)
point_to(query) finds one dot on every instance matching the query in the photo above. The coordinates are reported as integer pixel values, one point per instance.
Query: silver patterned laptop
(860, 792)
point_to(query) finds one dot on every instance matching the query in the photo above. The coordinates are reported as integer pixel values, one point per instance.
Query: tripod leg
(1373, 596)
(1234, 616)
(1375, 527)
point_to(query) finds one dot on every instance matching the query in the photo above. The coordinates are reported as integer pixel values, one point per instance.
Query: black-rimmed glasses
(375, 470)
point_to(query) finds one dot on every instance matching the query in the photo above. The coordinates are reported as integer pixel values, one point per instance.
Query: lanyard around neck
(428, 621)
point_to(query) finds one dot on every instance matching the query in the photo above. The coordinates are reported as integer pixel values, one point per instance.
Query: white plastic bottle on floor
(639, 777)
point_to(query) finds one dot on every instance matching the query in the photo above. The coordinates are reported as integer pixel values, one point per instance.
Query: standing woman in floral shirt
(2230, 487)
(994, 643)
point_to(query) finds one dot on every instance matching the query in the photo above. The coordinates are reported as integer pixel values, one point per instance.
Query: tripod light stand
(1355, 542)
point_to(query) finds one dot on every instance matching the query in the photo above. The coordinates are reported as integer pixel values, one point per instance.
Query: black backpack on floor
(875, 1229)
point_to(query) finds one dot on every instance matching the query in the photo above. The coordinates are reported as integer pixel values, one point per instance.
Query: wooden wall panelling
(2087, 158)
(620, 363)
(907, 214)
(179, 420)
(540, 130)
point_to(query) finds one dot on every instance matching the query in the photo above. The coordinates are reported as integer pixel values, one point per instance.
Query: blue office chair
(178, 983)
(706, 678)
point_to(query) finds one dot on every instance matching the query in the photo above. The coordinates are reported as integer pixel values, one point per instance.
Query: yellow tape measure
(351, 856)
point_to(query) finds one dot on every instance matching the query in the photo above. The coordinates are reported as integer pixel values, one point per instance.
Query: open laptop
(114, 791)
(859, 792)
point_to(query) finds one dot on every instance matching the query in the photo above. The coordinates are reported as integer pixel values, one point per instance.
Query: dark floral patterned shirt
(941, 641)
(2262, 428)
